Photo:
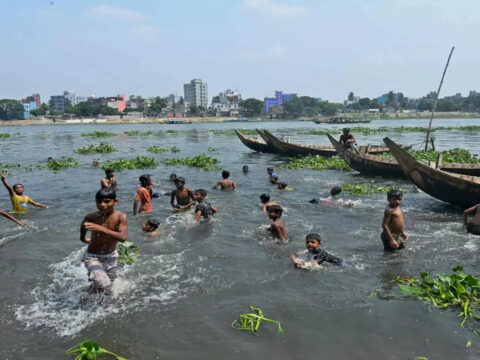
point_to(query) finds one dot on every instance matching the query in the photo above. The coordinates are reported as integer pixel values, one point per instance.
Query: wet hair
(282, 185)
(225, 174)
(201, 192)
(180, 179)
(264, 198)
(269, 169)
(335, 190)
(106, 193)
(15, 185)
(245, 167)
(394, 194)
(314, 201)
(153, 223)
(346, 130)
(144, 179)
(173, 175)
(314, 236)
(109, 171)
(277, 209)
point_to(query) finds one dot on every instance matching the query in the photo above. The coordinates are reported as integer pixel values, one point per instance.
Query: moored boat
(256, 145)
(457, 189)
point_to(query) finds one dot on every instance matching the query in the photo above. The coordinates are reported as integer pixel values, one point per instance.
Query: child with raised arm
(313, 255)
(226, 183)
(109, 181)
(183, 195)
(277, 228)
(393, 236)
(10, 217)
(107, 226)
(204, 210)
(19, 201)
(144, 195)
(473, 227)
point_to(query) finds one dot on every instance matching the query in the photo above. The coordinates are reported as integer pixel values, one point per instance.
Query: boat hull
(255, 145)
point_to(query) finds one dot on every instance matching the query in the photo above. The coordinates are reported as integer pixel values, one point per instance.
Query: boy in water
(107, 226)
(203, 209)
(182, 194)
(473, 227)
(271, 173)
(173, 176)
(10, 217)
(151, 226)
(245, 169)
(109, 181)
(277, 228)
(313, 254)
(393, 236)
(226, 183)
(273, 180)
(335, 193)
(19, 201)
(283, 186)
(144, 195)
(265, 199)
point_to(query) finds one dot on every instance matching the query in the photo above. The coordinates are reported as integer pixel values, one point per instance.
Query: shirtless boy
(150, 226)
(226, 183)
(107, 226)
(19, 201)
(265, 199)
(204, 210)
(393, 236)
(277, 228)
(10, 217)
(473, 227)
(109, 181)
(184, 196)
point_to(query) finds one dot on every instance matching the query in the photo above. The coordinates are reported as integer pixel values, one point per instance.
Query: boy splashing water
(314, 254)
(203, 210)
(19, 201)
(107, 226)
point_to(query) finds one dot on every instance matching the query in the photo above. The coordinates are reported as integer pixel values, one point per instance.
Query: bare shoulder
(92, 216)
(120, 216)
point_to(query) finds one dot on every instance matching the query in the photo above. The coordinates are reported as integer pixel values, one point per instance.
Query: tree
(329, 109)
(11, 109)
(293, 107)
(351, 96)
(156, 107)
(252, 107)
(390, 99)
(364, 103)
(42, 110)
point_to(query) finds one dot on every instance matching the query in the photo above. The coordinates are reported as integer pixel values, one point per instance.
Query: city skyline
(320, 49)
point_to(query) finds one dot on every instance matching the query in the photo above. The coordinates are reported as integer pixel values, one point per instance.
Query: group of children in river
(108, 225)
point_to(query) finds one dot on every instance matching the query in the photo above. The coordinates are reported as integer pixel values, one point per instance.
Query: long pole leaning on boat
(436, 100)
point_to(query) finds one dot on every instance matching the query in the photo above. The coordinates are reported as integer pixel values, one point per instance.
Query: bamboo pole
(436, 100)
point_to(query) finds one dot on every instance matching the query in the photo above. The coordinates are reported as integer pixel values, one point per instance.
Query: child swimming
(473, 227)
(19, 201)
(313, 254)
(245, 169)
(203, 209)
(277, 228)
(226, 183)
(265, 199)
(150, 226)
(335, 193)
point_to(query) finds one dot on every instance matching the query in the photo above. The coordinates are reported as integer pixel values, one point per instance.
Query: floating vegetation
(90, 350)
(156, 149)
(63, 163)
(317, 162)
(366, 189)
(455, 155)
(455, 290)
(140, 162)
(4, 135)
(173, 132)
(127, 252)
(99, 134)
(131, 132)
(212, 149)
(232, 132)
(319, 132)
(251, 321)
(174, 149)
(201, 161)
(102, 148)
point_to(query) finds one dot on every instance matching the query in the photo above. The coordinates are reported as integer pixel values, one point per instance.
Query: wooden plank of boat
(254, 144)
(462, 190)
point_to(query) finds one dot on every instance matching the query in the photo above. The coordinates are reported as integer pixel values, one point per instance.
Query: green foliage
(369, 131)
(365, 189)
(4, 135)
(173, 132)
(319, 132)
(90, 109)
(212, 149)
(456, 290)
(90, 350)
(251, 321)
(11, 109)
(201, 161)
(455, 155)
(140, 162)
(99, 134)
(317, 162)
(63, 163)
(127, 253)
(245, 132)
(102, 148)
(251, 107)
(174, 149)
(131, 133)
(309, 106)
(156, 149)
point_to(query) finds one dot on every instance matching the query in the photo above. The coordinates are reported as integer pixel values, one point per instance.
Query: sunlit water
(179, 298)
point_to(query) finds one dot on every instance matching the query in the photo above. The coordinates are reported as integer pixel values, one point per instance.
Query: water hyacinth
(102, 148)
(365, 189)
(99, 134)
(369, 131)
(4, 135)
(90, 350)
(63, 163)
(251, 321)
(140, 162)
(201, 161)
(127, 252)
(156, 149)
(317, 162)
(456, 155)
(231, 132)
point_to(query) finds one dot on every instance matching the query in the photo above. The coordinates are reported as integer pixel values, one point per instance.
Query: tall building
(33, 98)
(196, 93)
(279, 98)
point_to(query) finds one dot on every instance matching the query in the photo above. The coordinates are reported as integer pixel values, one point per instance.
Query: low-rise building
(33, 98)
(226, 103)
(278, 100)
(28, 107)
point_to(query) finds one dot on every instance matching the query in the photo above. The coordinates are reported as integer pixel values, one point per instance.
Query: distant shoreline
(400, 116)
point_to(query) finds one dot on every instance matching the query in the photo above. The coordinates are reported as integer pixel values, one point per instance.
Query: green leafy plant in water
(172, 132)
(212, 149)
(317, 162)
(99, 134)
(131, 132)
(127, 253)
(157, 150)
(90, 350)
(140, 162)
(456, 290)
(63, 163)
(246, 132)
(201, 161)
(366, 189)
(456, 155)
(251, 321)
(174, 149)
(102, 148)
(4, 135)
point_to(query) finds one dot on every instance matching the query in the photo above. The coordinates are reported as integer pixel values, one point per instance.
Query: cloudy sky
(322, 48)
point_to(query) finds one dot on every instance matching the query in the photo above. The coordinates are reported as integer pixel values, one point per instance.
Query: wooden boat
(462, 190)
(378, 166)
(256, 145)
(291, 149)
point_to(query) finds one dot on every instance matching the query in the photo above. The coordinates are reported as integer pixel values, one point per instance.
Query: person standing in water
(109, 181)
(144, 195)
(393, 235)
(19, 201)
(183, 195)
(226, 183)
(277, 228)
(473, 227)
(107, 227)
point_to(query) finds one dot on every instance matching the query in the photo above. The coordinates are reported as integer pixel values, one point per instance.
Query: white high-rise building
(196, 93)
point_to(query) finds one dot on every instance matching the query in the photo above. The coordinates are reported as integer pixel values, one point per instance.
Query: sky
(320, 48)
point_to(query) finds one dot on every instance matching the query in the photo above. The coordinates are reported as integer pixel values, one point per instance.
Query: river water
(179, 298)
